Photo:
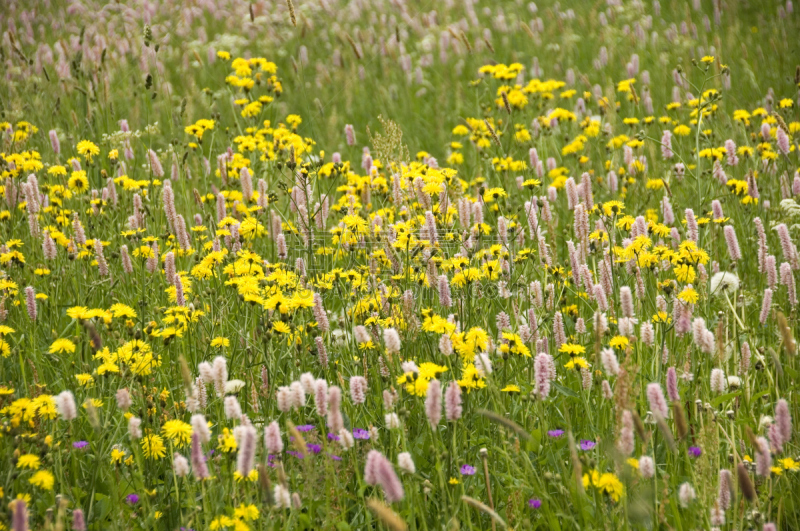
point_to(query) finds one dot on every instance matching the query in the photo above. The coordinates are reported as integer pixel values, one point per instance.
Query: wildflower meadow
(399, 265)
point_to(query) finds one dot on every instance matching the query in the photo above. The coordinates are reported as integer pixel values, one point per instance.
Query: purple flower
(359, 433)
(333, 437)
(80, 445)
(534, 503)
(314, 448)
(555, 433)
(133, 499)
(695, 451)
(305, 427)
(296, 454)
(335, 457)
(587, 445)
(467, 470)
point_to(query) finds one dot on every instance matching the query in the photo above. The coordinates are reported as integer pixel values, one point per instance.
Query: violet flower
(360, 433)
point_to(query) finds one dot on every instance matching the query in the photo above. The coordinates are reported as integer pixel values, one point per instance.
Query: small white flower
(405, 463)
(346, 439)
(409, 366)
(686, 495)
(718, 381)
(233, 386)
(392, 421)
(483, 364)
(724, 282)
(340, 337)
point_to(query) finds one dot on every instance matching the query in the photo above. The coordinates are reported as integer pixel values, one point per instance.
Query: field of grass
(399, 265)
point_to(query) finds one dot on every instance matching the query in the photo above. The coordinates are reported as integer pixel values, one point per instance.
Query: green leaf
(534, 444)
(760, 394)
(565, 390)
(720, 399)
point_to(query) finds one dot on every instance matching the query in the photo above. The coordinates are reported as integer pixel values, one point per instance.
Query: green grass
(380, 274)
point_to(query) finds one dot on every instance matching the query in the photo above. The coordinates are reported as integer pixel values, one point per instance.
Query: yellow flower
(471, 378)
(220, 342)
(577, 363)
(454, 481)
(611, 485)
(281, 327)
(42, 479)
(685, 273)
(572, 349)
(57, 170)
(153, 447)
(689, 294)
(661, 317)
(77, 312)
(252, 476)
(177, 431)
(246, 512)
(431, 371)
(226, 441)
(611, 208)
(516, 345)
(493, 193)
(123, 310)
(294, 120)
(619, 342)
(88, 149)
(117, 455)
(789, 464)
(84, 379)
(682, 130)
(62, 345)
(221, 522)
(78, 182)
(29, 461)
(92, 402)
